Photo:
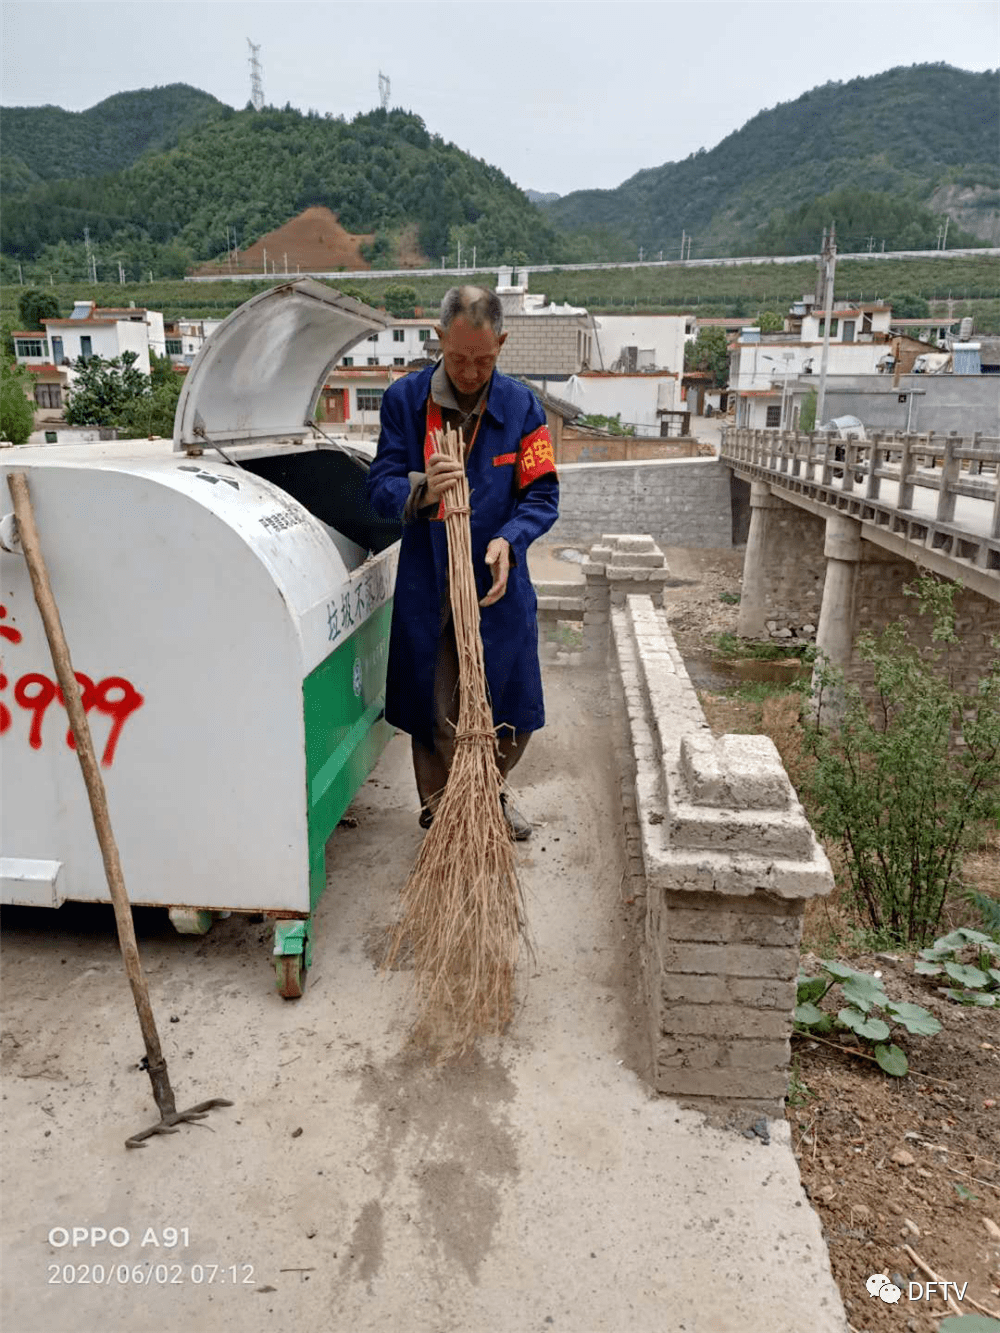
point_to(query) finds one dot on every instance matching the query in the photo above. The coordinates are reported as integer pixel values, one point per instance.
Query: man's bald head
(478, 306)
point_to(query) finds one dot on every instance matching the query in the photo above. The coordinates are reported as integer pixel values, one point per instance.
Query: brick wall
(880, 599)
(679, 502)
(542, 344)
(578, 448)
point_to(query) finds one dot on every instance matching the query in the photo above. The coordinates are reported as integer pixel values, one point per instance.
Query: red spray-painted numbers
(114, 696)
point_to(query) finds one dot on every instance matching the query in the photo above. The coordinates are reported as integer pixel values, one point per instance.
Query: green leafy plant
(868, 1013)
(17, 412)
(730, 598)
(799, 1091)
(969, 959)
(905, 785)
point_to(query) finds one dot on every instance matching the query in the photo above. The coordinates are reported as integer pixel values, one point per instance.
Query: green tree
(17, 413)
(807, 417)
(103, 389)
(709, 352)
(152, 412)
(400, 300)
(770, 321)
(34, 306)
(907, 306)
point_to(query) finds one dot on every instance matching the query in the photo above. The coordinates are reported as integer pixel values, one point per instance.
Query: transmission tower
(256, 82)
(383, 90)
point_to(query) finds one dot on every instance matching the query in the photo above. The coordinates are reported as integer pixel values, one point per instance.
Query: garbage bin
(227, 598)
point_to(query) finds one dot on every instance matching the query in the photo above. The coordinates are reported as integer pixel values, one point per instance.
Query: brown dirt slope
(313, 241)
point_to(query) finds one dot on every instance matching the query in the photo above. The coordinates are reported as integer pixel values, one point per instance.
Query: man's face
(470, 353)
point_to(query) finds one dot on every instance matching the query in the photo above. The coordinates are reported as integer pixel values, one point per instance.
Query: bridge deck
(935, 501)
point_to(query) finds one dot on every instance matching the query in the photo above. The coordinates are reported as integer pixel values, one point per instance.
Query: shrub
(906, 786)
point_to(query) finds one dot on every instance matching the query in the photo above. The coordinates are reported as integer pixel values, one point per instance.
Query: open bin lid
(257, 377)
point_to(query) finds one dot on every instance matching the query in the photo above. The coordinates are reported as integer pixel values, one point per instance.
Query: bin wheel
(291, 970)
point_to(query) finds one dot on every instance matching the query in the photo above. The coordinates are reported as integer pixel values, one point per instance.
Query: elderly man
(514, 499)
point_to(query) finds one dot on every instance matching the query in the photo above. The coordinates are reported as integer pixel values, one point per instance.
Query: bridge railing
(951, 465)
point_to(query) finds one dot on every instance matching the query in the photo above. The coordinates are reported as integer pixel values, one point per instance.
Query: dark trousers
(431, 767)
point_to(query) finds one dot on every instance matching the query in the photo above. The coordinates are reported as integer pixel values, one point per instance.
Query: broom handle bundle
(475, 717)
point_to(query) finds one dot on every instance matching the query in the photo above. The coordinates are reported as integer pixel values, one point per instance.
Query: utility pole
(640, 254)
(683, 239)
(91, 265)
(256, 77)
(944, 239)
(460, 254)
(286, 263)
(265, 260)
(20, 275)
(473, 259)
(829, 260)
(689, 247)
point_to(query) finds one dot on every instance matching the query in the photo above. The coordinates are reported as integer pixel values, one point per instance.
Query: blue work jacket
(514, 494)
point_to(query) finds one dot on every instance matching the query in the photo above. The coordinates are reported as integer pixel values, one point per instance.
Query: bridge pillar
(835, 635)
(762, 535)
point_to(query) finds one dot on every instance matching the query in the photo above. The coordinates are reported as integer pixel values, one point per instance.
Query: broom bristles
(462, 907)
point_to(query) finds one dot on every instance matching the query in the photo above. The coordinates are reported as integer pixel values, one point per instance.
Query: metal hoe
(155, 1064)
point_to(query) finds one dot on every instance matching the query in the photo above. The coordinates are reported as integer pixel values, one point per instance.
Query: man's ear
(439, 331)
(503, 339)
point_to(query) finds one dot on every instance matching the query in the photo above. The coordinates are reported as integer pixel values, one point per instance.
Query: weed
(867, 1001)
(971, 960)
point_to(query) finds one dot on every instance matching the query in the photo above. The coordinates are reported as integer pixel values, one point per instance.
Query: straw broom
(462, 908)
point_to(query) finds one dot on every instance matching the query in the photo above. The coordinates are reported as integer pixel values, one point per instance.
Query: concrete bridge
(837, 528)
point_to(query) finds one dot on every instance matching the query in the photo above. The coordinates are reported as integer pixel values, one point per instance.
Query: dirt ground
(314, 240)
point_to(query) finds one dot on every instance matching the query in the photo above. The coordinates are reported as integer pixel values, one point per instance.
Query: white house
(184, 338)
(90, 331)
(770, 374)
(403, 342)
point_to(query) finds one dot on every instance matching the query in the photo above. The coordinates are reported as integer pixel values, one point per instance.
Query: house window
(86, 348)
(399, 360)
(48, 395)
(370, 400)
(30, 347)
(834, 324)
(57, 351)
(373, 360)
(347, 361)
(175, 347)
(773, 416)
(423, 335)
(398, 335)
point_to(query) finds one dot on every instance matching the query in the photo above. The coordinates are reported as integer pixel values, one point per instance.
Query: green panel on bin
(343, 699)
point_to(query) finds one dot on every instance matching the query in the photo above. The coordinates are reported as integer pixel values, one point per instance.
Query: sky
(560, 96)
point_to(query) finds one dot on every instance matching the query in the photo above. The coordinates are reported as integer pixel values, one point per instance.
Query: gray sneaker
(519, 827)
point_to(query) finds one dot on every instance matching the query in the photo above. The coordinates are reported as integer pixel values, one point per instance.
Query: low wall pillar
(617, 565)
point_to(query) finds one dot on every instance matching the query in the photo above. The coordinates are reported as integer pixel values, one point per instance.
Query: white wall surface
(663, 334)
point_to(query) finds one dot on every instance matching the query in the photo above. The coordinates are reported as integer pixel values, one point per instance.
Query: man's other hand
(498, 557)
(443, 473)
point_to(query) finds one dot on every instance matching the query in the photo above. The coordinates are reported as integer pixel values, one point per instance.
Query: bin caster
(291, 972)
(292, 956)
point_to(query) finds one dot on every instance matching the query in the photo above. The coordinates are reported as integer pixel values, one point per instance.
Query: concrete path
(354, 1187)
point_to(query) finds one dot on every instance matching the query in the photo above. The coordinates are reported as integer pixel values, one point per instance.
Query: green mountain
(45, 143)
(906, 135)
(252, 171)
